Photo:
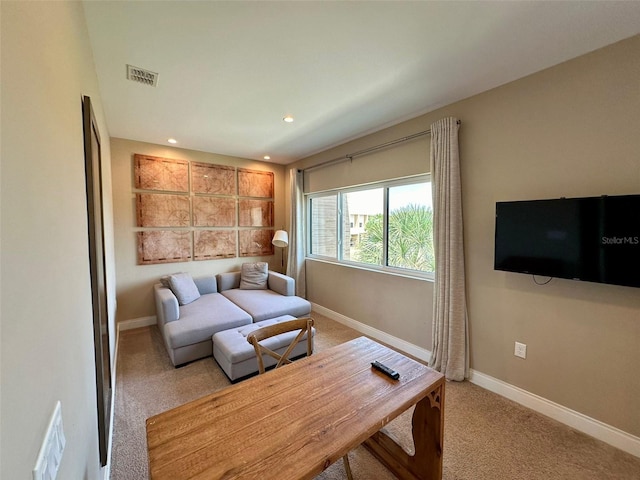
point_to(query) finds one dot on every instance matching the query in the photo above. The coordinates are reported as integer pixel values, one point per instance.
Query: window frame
(338, 193)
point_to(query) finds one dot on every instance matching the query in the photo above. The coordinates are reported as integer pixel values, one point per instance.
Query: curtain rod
(351, 156)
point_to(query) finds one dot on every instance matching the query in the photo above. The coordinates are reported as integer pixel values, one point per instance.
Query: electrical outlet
(521, 350)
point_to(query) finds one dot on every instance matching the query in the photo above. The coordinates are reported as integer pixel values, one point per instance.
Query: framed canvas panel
(254, 243)
(214, 244)
(162, 210)
(163, 246)
(255, 213)
(213, 179)
(156, 173)
(255, 183)
(214, 212)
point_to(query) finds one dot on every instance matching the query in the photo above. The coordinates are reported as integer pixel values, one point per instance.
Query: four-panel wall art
(199, 211)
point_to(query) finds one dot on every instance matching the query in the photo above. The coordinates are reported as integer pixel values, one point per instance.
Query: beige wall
(47, 335)
(135, 282)
(398, 306)
(571, 130)
(568, 131)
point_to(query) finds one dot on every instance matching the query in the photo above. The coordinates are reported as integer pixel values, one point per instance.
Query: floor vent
(140, 75)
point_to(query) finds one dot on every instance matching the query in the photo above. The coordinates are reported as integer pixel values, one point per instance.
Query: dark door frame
(93, 172)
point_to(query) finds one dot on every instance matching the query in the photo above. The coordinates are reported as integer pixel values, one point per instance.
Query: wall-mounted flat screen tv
(594, 239)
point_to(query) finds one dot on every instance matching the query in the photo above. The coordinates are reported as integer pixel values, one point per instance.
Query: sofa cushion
(206, 284)
(184, 288)
(227, 281)
(199, 320)
(265, 304)
(164, 280)
(254, 276)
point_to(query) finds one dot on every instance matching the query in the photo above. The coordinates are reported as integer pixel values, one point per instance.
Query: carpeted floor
(486, 436)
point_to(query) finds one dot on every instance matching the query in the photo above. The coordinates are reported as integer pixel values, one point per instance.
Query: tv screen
(595, 239)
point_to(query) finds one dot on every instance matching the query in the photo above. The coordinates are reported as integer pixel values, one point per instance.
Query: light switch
(52, 447)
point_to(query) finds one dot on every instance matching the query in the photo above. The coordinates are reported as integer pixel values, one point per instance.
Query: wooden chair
(255, 337)
(302, 324)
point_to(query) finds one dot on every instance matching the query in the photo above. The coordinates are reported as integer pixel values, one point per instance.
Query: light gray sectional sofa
(188, 319)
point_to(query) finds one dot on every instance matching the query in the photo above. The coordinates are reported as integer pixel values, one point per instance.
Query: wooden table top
(292, 422)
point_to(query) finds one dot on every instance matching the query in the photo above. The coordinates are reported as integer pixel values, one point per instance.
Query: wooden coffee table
(295, 421)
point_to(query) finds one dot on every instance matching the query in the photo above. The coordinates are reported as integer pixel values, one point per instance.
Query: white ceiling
(230, 71)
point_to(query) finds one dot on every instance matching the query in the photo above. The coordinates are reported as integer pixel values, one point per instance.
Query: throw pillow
(254, 276)
(184, 288)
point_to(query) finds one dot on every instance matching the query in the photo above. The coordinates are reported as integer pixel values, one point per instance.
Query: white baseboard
(384, 337)
(136, 323)
(595, 428)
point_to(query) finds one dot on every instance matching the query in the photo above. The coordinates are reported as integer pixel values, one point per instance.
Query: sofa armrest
(227, 281)
(281, 284)
(167, 309)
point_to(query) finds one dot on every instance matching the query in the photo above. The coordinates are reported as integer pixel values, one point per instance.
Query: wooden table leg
(428, 436)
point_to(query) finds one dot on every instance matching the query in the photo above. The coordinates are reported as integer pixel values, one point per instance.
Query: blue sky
(369, 202)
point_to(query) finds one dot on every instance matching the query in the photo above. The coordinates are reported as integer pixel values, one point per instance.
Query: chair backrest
(303, 324)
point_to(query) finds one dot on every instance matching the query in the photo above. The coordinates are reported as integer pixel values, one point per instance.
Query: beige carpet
(486, 436)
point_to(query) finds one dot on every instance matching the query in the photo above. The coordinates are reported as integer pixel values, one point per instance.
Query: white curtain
(450, 353)
(295, 259)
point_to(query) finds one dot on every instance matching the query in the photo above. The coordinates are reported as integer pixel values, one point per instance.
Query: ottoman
(236, 355)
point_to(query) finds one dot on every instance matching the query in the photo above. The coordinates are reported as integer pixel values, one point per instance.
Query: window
(386, 226)
(324, 225)
(356, 204)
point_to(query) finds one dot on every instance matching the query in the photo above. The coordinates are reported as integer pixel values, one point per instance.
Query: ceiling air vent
(141, 75)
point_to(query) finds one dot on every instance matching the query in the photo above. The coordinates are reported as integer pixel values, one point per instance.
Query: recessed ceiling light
(172, 140)
(267, 157)
(288, 119)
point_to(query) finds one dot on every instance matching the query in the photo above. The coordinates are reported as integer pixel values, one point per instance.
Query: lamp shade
(280, 239)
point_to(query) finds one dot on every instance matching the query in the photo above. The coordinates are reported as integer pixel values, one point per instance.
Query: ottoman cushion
(236, 356)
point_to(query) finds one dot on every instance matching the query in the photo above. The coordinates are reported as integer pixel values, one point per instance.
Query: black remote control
(386, 370)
